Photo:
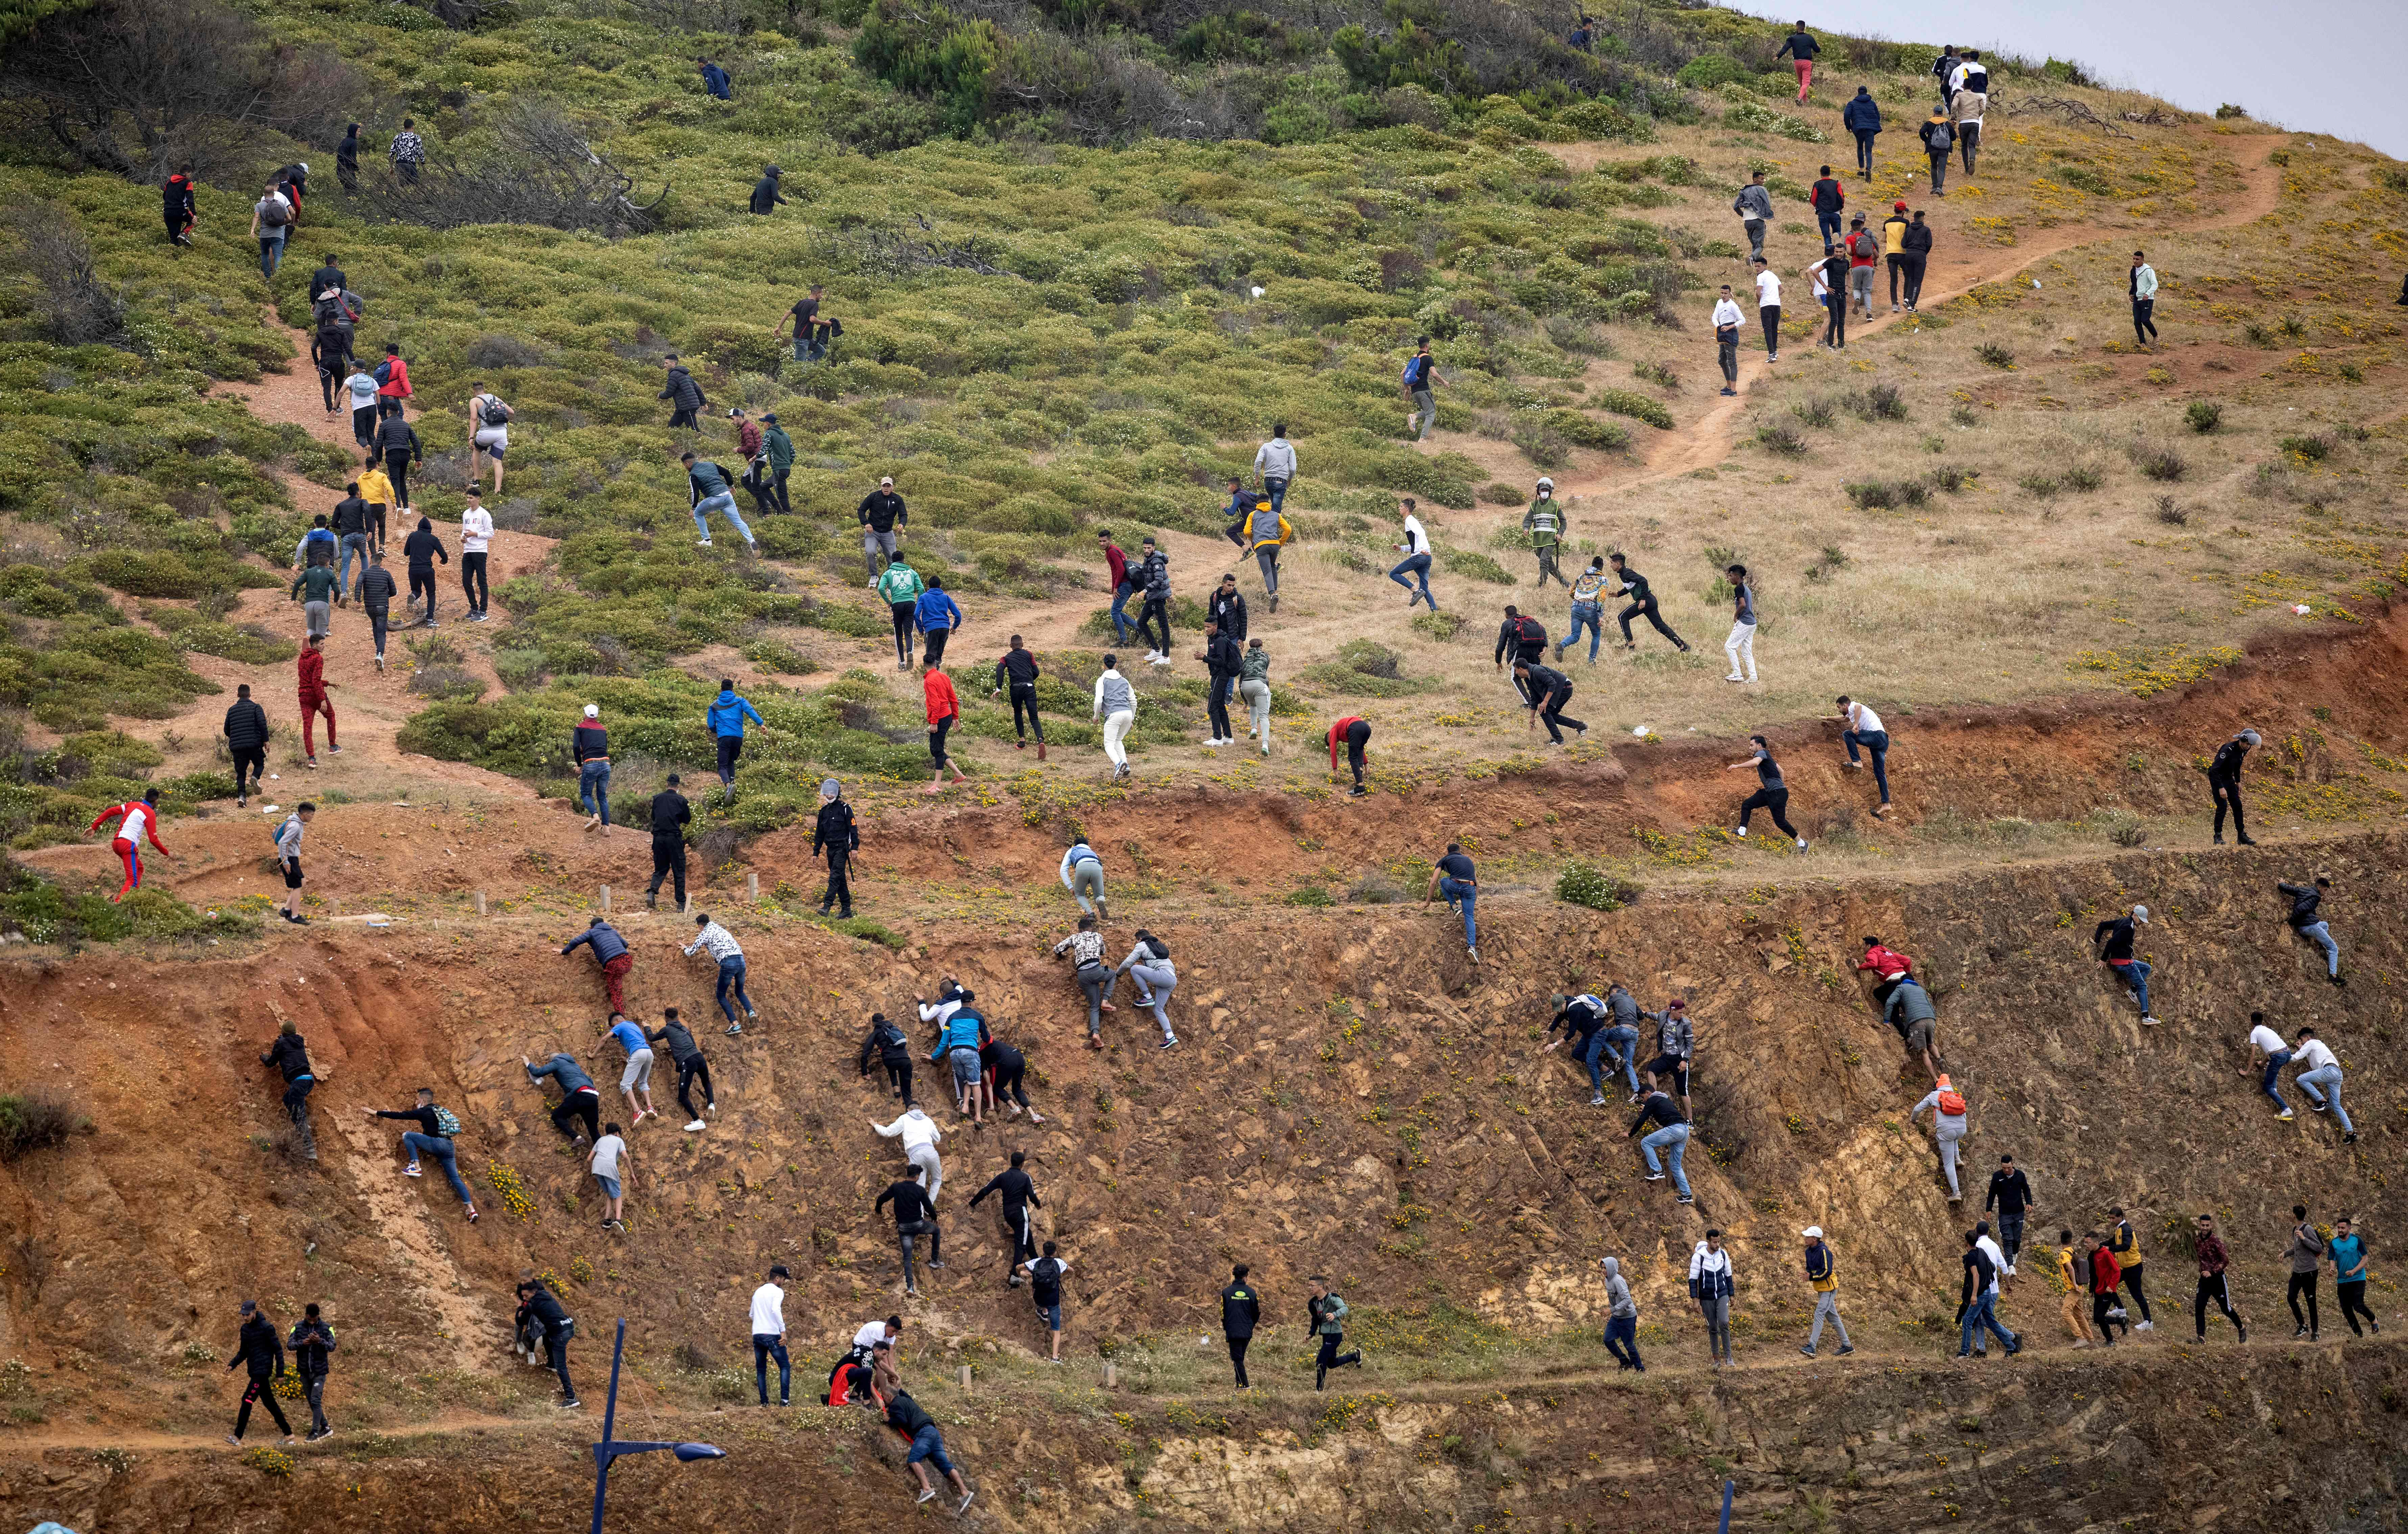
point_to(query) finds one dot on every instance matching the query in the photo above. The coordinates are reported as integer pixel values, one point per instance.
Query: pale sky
(2317, 66)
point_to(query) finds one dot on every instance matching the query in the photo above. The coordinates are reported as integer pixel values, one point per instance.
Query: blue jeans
(1418, 565)
(440, 1149)
(353, 543)
(1624, 1042)
(930, 1445)
(1462, 897)
(271, 254)
(731, 972)
(2321, 935)
(2274, 1063)
(1122, 627)
(1978, 1315)
(593, 789)
(764, 1348)
(2324, 1085)
(1277, 489)
(2136, 975)
(724, 504)
(1590, 615)
(1674, 1139)
(1877, 742)
(1622, 1340)
(1829, 224)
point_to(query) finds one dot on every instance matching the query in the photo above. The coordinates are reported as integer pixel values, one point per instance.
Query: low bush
(1783, 440)
(2163, 465)
(1991, 354)
(1586, 884)
(1636, 406)
(1817, 412)
(2204, 415)
(38, 1120)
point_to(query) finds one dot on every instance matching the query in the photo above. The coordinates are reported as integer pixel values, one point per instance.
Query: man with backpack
(1827, 200)
(1948, 1108)
(543, 1314)
(1864, 259)
(392, 385)
(1754, 206)
(1045, 1290)
(687, 1057)
(178, 207)
(271, 224)
(1969, 97)
(330, 352)
(709, 490)
(1324, 1315)
(685, 396)
(893, 1051)
(436, 1128)
(488, 432)
(1938, 135)
(1862, 117)
(290, 1054)
(836, 838)
(668, 817)
(288, 858)
(1421, 382)
(1822, 1272)
(1527, 637)
(1945, 66)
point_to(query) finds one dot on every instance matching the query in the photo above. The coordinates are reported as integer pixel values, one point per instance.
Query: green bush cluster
(47, 913)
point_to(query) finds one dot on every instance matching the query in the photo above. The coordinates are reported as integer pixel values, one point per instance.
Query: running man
(611, 953)
(900, 587)
(2319, 1076)
(937, 615)
(1860, 727)
(730, 959)
(726, 718)
(708, 489)
(1045, 1289)
(1977, 1302)
(2309, 922)
(1526, 636)
(915, 1215)
(309, 667)
(1355, 733)
(2011, 1195)
(1096, 977)
(1771, 794)
(1801, 46)
(1017, 1194)
(288, 858)
(2224, 783)
(2117, 934)
(1416, 563)
(1242, 1312)
(2214, 1284)
(578, 1098)
(1670, 1136)
(1116, 706)
(1325, 1320)
(1642, 604)
(636, 1076)
(1018, 670)
(944, 710)
(882, 517)
(420, 551)
(1740, 644)
(770, 1337)
(1454, 879)
(687, 1057)
(2347, 1250)
(611, 1164)
(1548, 690)
(311, 1341)
(2268, 1044)
(1622, 1318)
(137, 822)
(1711, 1283)
(2126, 1248)
(2306, 1252)
(1588, 610)
(290, 1056)
(836, 838)
(436, 1128)
(919, 1134)
(669, 816)
(261, 1352)
(1947, 1107)
(1546, 524)
(1822, 1272)
(1421, 382)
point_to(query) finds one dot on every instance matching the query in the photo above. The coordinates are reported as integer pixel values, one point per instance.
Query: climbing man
(919, 1134)
(687, 1057)
(1355, 732)
(578, 1098)
(1454, 879)
(2117, 933)
(438, 1127)
(290, 1056)
(1822, 1273)
(2319, 1076)
(726, 718)
(137, 822)
(1045, 1291)
(730, 959)
(1670, 1136)
(636, 1076)
(1947, 1105)
(2308, 922)
(915, 1215)
(1017, 1195)
(611, 953)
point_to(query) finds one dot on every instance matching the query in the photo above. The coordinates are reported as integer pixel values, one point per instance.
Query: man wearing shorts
(609, 1164)
(288, 859)
(636, 1079)
(1045, 1288)
(489, 432)
(1676, 1049)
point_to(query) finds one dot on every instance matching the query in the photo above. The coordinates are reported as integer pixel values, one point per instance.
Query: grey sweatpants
(1827, 1304)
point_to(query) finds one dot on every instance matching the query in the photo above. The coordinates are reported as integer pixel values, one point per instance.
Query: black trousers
(472, 581)
(2301, 1284)
(1914, 265)
(2100, 1305)
(262, 1390)
(1769, 315)
(901, 612)
(2132, 1276)
(1969, 138)
(778, 490)
(1012, 1084)
(1553, 715)
(2227, 797)
(1155, 612)
(363, 424)
(898, 1076)
(840, 880)
(1774, 800)
(254, 759)
(555, 1353)
(669, 861)
(1238, 1357)
(1024, 699)
(764, 499)
(2144, 325)
(1331, 1358)
(1897, 273)
(932, 647)
(936, 736)
(579, 1105)
(422, 583)
(1216, 708)
(1358, 735)
(2218, 1289)
(1647, 610)
(689, 1072)
(397, 468)
(1835, 317)
(2352, 1305)
(683, 418)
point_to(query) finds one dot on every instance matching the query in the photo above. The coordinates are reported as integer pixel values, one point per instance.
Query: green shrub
(1585, 884)
(1638, 407)
(1442, 626)
(1309, 894)
(1586, 431)
(1473, 566)
(1754, 117)
(38, 1120)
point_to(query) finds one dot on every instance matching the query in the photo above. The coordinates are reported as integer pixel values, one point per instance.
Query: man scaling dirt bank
(290, 1056)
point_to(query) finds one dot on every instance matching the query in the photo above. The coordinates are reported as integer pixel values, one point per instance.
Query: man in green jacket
(1327, 1314)
(780, 449)
(315, 589)
(900, 588)
(1544, 523)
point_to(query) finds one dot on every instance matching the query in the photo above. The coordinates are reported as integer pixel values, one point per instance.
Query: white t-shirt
(476, 528)
(1727, 313)
(1416, 541)
(1997, 1260)
(1767, 290)
(363, 385)
(604, 1160)
(2312, 1056)
(1822, 282)
(769, 1312)
(2266, 1041)
(870, 1335)
(1864, 722)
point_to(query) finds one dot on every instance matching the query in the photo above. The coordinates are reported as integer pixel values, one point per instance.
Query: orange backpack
(1951, 1102)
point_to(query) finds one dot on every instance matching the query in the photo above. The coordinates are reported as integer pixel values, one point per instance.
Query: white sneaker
(699, 1125)
(2147, 1325)
(1801, 847)
(1739, 831)
(702, 543)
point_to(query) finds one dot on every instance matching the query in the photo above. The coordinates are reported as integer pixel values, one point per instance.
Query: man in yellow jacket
(377, 491)
(1267, 531)
(1894, 246)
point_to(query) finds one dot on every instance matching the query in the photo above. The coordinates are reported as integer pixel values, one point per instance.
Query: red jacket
(2212, 1256)
(1338, 733)
(397, 385)
(748, 438)
(1888, 963)
(1119, 563)
(312, 668)
(120, 812)
(2104, 1273)
(942, 702)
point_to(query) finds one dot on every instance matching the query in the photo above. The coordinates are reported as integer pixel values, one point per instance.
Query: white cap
(2139, 913)
(886, 480)
(594, 710)
(1815, 1231)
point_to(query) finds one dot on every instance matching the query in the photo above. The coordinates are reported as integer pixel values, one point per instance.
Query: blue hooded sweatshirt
(936, 609)
(728, 713)
(961, 1032)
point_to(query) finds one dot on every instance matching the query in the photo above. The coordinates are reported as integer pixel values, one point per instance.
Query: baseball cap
(887, 479)
(2139, 913)
(1897, 208)
(594, 710)
(1815, 1231)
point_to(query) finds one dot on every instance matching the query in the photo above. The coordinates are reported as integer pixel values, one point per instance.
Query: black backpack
(1938, 137)
(491, 411)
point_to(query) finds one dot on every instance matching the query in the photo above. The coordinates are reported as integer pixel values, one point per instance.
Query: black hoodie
(423, 548)
(289, 1055)
(260, 1347)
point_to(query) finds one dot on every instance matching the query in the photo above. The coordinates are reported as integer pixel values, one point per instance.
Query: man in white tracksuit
(919, 1134)
(1947, 1129)
(1116, 706)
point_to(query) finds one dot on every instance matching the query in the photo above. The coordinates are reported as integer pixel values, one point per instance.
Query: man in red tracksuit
(138, 822)
(944, 712)
(314, 700)
(1889, 965)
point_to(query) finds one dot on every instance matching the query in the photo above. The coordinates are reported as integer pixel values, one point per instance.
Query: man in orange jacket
(314, 701)
(945, 712)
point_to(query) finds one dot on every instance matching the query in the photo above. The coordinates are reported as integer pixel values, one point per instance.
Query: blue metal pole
(602, 1455)
(1726, 1491)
